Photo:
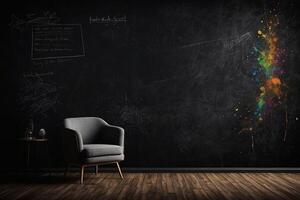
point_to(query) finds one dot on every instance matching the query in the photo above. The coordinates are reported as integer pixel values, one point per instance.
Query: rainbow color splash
(270, 61)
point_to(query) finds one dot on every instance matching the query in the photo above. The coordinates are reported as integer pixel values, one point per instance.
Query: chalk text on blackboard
(107, 20)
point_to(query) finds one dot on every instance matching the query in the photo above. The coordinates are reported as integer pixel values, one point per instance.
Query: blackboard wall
(174, 75)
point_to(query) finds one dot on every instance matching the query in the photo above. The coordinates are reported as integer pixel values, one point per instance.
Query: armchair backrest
(87, 127)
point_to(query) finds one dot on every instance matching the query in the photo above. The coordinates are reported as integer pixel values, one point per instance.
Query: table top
(33, 139)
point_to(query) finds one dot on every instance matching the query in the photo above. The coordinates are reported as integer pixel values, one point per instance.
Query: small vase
(42, 133)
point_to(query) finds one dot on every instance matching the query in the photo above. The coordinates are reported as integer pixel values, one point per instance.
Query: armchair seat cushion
(103, 159)
(96, 150)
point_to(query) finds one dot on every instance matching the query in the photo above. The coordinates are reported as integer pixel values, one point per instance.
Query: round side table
(28, 141)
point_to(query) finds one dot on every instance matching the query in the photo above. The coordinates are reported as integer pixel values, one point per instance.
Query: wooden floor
(154, 186)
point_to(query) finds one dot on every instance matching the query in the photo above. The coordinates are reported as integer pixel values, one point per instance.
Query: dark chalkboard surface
(184, 79)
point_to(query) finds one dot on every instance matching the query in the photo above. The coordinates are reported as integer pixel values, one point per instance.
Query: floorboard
(152, 186)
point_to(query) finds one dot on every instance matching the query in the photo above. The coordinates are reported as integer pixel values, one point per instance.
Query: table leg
(48, 158)
(28, 154)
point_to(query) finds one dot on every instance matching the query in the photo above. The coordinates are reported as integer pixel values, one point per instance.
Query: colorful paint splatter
(270, 62)
(268, 72)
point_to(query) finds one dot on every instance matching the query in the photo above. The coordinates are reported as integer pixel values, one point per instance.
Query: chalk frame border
(57, 57)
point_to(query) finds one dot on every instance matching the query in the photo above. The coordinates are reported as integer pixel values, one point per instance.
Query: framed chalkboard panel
(57, 41)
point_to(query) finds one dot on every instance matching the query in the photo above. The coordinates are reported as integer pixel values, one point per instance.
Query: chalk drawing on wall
(37, 96)
(107, 20)
(228, 43)
(57, 41)
(19, 23)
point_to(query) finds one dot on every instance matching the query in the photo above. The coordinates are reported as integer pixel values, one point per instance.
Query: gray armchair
(90, 141)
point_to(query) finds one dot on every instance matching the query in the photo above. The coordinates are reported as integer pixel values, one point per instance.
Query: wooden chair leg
(81, 174)
(96, 168)
(119, 169)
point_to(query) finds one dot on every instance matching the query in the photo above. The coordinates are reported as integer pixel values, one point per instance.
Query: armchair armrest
(72, 145)
(113, 135)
